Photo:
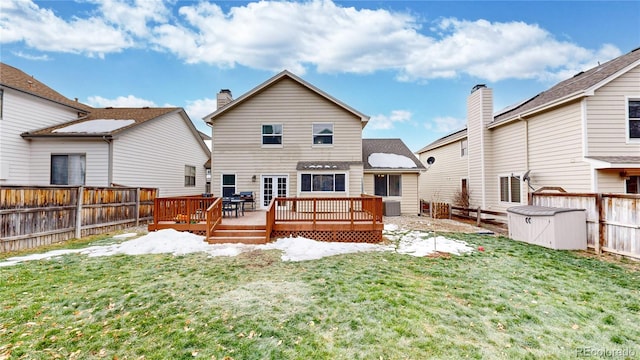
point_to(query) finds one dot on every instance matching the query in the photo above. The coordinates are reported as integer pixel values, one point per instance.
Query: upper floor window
(387, 185)
(464, 148)
(189, 175)
(323, 182)
(634, 118)
(510, 189)
(68, 169)
(272, 134)
(323, 134)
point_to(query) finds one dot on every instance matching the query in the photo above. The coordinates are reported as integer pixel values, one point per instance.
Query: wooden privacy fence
(613, 220)
(32, 216)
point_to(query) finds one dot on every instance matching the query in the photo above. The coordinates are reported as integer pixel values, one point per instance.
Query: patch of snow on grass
(169, 241)
(301, 249)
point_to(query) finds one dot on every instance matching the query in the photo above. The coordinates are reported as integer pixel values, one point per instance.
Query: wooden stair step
(239, 233)
(237, 240)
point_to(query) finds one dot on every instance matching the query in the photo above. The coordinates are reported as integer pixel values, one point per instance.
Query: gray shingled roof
(460, 134)
(617, 159)
(388, 146)
(580, 82)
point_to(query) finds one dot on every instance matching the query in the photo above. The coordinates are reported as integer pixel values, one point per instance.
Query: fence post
(449, 208)
(599, 242)
(137, 207)
(79, 212)
(431, 209)
(478, 217)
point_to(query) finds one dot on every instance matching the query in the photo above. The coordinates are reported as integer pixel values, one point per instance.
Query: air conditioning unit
(391, 208)
(555, 228)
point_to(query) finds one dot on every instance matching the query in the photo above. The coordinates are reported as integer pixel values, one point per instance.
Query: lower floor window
(228, 185)
(189, 175)
(323, 182)
(68, 169)
(510, 189)
(387, 185)
(633, 185)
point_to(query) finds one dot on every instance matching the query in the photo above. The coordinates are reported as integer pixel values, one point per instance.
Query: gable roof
(385, 147)
(136, 115)
(447, 139)
(16, 79)
(582, 84)
(284, 74)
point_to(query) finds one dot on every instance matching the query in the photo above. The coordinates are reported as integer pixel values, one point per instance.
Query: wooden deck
(355, 219)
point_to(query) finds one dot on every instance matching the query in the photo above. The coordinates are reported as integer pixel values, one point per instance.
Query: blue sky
(408, 64)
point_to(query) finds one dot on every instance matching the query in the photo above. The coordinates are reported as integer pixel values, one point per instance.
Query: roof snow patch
(383, 160)
(95, 126)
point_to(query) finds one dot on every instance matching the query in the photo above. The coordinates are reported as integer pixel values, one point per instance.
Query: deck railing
(214, 216)
(270, 219)
(188, 210)
(350, 209)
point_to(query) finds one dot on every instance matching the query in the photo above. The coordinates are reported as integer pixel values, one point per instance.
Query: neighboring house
(47, 139)
(286, 137)
(391, 170)
(581, 135)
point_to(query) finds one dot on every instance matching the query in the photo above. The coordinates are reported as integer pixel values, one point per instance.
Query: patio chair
(229, 207)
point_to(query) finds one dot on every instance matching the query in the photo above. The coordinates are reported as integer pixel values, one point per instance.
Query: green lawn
(512, 301)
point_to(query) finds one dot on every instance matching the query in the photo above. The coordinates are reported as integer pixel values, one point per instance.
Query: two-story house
(47, 139)
(581, 135)
(283, 138)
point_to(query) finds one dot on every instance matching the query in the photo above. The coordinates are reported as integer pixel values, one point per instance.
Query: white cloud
(41, 29)
(120, 101)
(320, 34)
(197, 109)
(445, 124)
(386, 122)
(23, 55)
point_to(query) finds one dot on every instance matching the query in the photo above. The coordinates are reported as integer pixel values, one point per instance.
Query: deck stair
(245, 234)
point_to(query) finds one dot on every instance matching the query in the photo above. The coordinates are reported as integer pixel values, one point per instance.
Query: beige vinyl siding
(610, 181)
(154, 154)
(555, 150)
(237, 137)
(607, 120)
(479, 115)
(22, 113)
(443, 178)
(96, 159)
(409, 201)
(509, 157)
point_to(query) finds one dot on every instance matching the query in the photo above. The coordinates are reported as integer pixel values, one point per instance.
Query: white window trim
(272, 146)
(466, 153)
(346, 182)
(510, 177)
(628, 98)
(387, 175)
(84, 175)
(333, 134)
(195, 175)
(235, 181)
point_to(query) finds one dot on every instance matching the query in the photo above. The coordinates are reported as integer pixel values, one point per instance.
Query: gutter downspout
(109, 142)
(526, 151)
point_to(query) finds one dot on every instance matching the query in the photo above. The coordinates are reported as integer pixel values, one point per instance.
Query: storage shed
(555, 228)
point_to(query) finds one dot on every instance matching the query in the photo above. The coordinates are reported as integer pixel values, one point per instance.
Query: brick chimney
(224, 97)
